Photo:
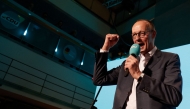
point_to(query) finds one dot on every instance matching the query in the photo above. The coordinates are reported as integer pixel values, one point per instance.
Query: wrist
(103, 51)
(105, 47)
(140, 77)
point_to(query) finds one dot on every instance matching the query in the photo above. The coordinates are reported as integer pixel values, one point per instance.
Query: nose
(137, 37)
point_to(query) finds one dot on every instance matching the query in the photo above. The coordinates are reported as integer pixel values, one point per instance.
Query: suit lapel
(152, 62)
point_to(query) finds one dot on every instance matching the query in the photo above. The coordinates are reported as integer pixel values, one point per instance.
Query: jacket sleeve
(169, 89)
(101, 75)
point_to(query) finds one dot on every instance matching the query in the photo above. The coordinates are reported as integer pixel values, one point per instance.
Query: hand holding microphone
(131, 63)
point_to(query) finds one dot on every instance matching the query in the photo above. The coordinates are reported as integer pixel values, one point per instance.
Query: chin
(142, 51)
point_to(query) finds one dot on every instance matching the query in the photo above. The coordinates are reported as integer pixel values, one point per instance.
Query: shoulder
(169, 55)
(166, 53)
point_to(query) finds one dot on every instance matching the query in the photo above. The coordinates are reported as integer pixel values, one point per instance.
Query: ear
(154, 34)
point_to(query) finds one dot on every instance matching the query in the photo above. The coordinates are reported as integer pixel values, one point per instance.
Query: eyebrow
(139, 31)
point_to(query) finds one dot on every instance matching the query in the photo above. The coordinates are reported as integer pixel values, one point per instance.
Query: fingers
(128, 63)
(131, 59)
(131, 63)
(112, 37)
(110, 41)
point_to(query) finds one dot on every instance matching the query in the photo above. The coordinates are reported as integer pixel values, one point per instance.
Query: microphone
(134, 51)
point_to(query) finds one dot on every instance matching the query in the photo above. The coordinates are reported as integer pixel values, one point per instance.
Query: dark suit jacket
(160, 88)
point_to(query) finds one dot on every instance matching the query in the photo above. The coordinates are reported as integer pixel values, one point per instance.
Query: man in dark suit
(151, 81)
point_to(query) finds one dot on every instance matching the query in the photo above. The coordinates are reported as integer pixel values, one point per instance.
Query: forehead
(140, 26)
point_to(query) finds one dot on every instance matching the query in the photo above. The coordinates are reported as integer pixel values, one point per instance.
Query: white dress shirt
(131, 103)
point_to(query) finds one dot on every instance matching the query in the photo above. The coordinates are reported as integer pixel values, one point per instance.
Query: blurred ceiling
(119, 10)
(112, 12)
(115, 13)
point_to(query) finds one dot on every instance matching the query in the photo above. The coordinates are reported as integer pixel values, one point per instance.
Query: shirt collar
(150, 53)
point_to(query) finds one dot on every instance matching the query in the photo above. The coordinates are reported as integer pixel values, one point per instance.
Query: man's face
(144, 36)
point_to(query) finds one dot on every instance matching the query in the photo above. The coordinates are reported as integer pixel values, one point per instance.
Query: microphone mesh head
(134, 50)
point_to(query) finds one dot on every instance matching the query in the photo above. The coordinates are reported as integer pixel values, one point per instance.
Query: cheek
(149, 42)
(133, 41)
(144, 42)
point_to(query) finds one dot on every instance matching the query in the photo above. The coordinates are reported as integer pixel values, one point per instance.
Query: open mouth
(141, 44)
